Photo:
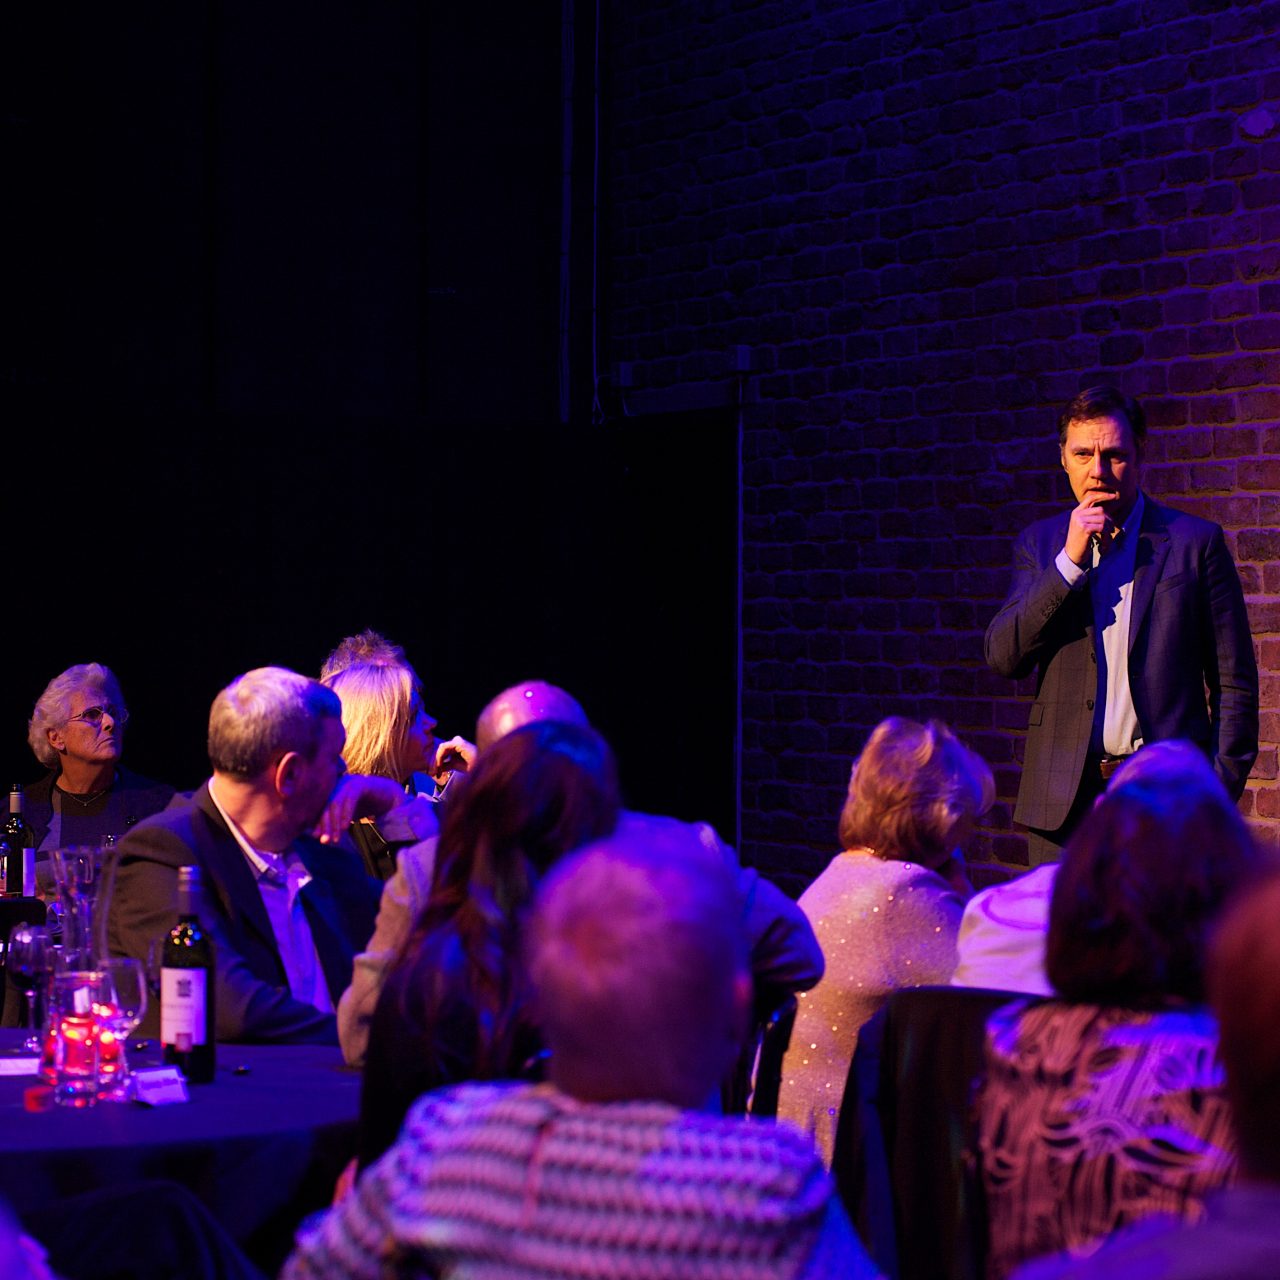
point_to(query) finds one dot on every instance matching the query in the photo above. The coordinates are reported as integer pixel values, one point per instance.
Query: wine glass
(124, 1002)
(30, 962)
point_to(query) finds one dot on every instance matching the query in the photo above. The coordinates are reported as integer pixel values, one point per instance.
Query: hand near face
(456, 755)
(1088, 521)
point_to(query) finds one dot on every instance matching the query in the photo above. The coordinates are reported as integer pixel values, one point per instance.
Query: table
(261, 1145)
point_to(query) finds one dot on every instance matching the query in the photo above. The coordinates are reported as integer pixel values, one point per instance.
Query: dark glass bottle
(187, 987)
(19, 849)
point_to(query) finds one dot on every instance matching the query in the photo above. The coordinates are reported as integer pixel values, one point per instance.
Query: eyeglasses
(93, 715)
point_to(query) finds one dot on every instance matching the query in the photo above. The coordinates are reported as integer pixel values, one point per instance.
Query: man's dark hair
(1104, 402)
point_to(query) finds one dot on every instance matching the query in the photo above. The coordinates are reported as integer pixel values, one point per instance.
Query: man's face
(318, 776)
(1104, 465)
(93, 732)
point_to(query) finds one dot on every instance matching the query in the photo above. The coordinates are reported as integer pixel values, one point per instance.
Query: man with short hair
(638, 966)
(784, 953)
(1126, 610)
(286, 912)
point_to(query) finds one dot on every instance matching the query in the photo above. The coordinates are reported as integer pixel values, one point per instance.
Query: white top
(1002, 934)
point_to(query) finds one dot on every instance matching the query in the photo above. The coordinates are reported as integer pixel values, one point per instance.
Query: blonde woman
(390, 734)
(887, 909)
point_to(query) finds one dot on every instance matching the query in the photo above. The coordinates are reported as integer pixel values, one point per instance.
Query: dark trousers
(1047, 846)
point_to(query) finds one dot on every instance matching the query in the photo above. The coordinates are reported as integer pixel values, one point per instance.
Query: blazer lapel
(1153, 548)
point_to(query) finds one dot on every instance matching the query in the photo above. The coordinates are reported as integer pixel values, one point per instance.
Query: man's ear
(286, 776)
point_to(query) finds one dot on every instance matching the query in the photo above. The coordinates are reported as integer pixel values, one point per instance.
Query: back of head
(913, 792)
(1244, 990)
(535, 795)
(53, 706)
(638, 962)
(1140, 885)
(378, 711)
(526, 703)
(1104, 401)
(263, 714)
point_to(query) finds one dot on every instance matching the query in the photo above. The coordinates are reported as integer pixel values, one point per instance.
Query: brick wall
(930, 224)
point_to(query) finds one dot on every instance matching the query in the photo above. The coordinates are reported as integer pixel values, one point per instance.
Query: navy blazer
(1188, 636)
(253, 998)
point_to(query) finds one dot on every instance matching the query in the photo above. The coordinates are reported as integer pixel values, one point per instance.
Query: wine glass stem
(31, 1010)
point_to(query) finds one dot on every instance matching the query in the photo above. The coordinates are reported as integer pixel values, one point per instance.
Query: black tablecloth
(261, 1147)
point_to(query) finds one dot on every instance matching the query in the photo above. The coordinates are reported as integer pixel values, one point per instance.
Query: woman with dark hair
(1107, 1105)
(454, 1005)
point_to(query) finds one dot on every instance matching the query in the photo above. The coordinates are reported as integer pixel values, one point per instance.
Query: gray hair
(53, 706)
(263, 714)
(634, 948)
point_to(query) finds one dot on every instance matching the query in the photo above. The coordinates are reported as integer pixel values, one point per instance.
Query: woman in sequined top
(887, 909)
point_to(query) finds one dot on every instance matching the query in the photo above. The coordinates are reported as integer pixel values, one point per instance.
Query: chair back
(905, 1135)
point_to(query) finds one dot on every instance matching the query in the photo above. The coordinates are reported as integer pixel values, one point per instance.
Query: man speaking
(1132, 616)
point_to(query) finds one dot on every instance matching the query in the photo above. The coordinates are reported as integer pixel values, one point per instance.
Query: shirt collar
(265, 865)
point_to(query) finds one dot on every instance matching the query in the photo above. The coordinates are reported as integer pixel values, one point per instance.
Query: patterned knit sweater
(505, 1181)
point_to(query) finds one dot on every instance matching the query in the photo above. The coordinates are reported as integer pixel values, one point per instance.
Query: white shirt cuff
(1072, 574)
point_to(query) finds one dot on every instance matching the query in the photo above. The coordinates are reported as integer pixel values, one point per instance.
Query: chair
(775, 1039)
(905, 1133)
(13, 912)
(740, 1090)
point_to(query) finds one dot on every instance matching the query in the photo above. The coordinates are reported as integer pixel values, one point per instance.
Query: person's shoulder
(40, 791)
(1177, 523)
(160, 792)
(170, 827)
(776, 1160)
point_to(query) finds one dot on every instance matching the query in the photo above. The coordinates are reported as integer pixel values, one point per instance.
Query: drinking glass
(75, 997)
(124, 1002)
(30, 962)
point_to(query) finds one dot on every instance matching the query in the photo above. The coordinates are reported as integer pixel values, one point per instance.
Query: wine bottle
(187, 987)
(20, 852)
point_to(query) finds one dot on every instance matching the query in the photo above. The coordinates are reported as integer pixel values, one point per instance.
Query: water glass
(123, 1005)
(75, 997)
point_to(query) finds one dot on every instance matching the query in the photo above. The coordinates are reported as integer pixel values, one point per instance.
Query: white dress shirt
(1110, 580)
(281, 877)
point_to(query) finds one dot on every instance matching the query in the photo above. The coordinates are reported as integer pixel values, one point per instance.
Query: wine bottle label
(182, 1006)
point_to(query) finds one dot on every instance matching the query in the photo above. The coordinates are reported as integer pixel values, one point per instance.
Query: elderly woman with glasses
(77, 731)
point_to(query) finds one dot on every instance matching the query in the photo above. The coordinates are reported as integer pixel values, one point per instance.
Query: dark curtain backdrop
(281, 363)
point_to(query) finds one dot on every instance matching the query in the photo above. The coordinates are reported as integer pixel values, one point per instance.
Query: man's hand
(1088, 521)
(356, 796)
(456, 755)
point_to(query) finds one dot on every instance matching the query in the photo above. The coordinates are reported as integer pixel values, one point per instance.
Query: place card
(159, 1086)
(19, 1066)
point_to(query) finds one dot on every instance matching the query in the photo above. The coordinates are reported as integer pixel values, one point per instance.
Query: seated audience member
(285, 911)
(77, 731)
(1239, 1236)
(784, 952)
(454, 1006)
(1107, 1105)
(886, 910)
(637, 961)
(1003, 930)
(390, 734)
